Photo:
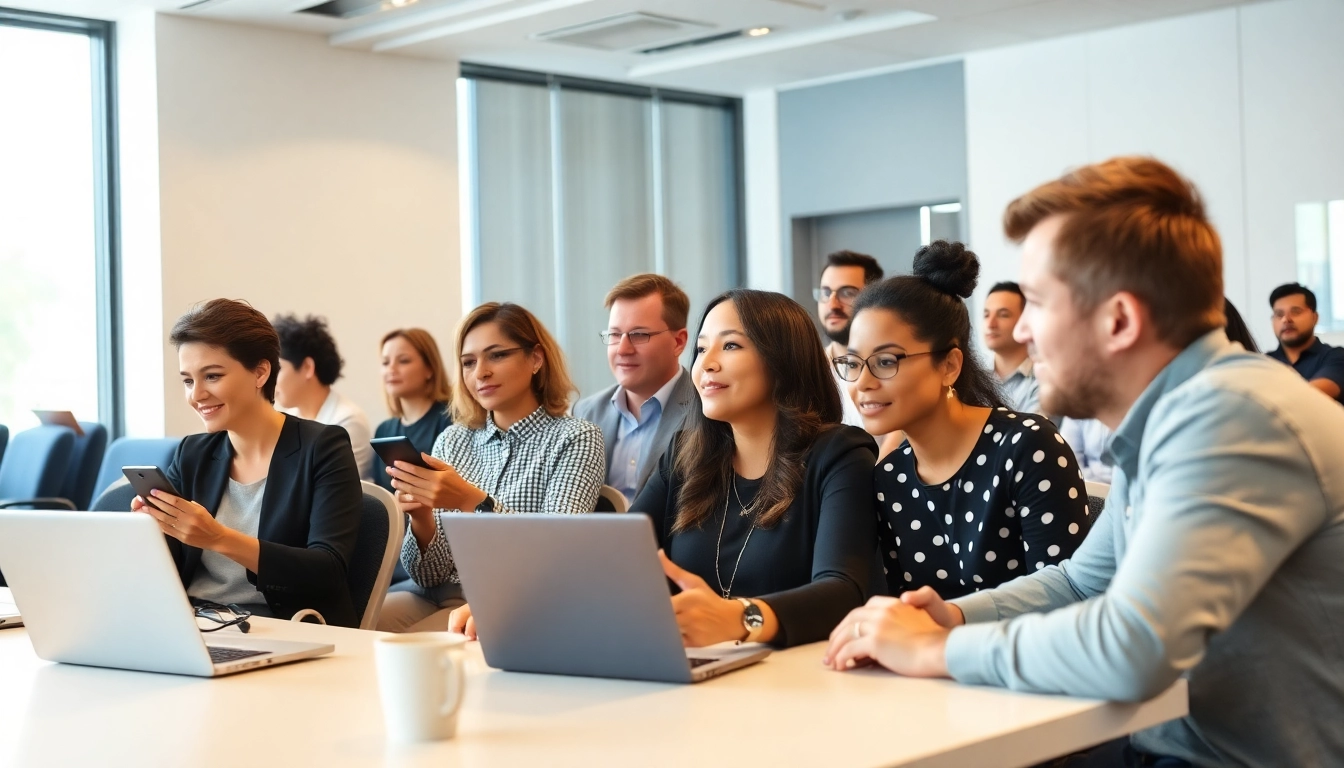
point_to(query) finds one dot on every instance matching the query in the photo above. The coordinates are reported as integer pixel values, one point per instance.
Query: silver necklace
(728, 590)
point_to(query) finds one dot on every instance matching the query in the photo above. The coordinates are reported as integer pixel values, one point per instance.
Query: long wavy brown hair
(803, 391)
(551, 384)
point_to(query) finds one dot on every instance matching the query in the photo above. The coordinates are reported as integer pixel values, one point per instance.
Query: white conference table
(785, 711)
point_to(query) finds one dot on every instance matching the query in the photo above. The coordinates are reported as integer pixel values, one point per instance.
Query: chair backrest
(115, 499)
(86, 457)
(611, 500)
(133, 452)
(382, 526)
(4, 440)
(35, 463)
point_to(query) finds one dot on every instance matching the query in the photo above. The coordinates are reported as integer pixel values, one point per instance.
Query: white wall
(1246, 102)
(304, 179)
(760, 170)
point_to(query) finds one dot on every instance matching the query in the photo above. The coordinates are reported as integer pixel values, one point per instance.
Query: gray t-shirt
(220, 579)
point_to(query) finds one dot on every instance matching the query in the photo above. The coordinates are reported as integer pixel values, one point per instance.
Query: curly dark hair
(309, 337)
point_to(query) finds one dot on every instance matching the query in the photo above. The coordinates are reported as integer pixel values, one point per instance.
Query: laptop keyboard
(221, 655)
(695, 662)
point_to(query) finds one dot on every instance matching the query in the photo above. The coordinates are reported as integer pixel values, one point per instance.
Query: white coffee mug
(421, 679)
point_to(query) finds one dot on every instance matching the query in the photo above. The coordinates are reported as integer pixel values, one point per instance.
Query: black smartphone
(392, 449)
(147, 479)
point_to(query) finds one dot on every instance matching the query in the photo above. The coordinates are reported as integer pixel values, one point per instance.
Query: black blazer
(309, 515)
(814, 566)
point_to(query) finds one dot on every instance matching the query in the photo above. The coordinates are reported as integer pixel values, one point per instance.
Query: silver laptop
(9, 612)
(100, 589)
(577, 595)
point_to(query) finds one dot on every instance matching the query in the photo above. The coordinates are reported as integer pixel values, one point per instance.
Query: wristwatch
(486, 505)
(752, 619)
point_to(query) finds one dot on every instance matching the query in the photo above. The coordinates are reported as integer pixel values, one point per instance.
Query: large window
(573, 185)
(1320, 258)
(58, 335)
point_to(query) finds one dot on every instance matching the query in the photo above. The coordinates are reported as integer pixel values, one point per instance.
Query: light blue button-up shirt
(1219, 556)
(634, 436)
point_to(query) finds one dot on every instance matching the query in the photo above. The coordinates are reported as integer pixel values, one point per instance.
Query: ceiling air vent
(626, 31)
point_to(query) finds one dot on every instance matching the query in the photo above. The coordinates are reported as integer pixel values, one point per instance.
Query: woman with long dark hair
(977, 494)
(763, 507)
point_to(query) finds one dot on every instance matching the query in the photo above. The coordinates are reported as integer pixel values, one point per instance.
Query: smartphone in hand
(394, 449)
(147, 479)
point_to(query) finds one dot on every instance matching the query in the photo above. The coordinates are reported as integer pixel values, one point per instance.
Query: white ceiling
(811, 40)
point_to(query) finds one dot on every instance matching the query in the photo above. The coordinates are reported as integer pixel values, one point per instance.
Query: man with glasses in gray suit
(645, 337)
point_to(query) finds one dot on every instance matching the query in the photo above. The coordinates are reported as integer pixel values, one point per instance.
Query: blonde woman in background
(418, 393)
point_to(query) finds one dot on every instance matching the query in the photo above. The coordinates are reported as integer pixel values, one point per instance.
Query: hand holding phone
(146, 480)
(394, 449)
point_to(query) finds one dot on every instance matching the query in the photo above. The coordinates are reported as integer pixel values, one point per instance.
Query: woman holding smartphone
(511, 449)
(270, 503)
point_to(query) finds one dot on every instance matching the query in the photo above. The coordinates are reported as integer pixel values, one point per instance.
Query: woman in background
(417, 390)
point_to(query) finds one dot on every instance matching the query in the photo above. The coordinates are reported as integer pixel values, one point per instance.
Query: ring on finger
(858, 630)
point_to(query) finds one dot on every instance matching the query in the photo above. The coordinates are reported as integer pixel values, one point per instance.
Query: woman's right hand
(460, 621)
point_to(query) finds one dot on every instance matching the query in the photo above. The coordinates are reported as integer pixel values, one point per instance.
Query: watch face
(752, 617)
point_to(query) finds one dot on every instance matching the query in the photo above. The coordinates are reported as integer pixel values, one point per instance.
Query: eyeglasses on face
(495, 356)
(883, 365)
(612, 338)
(846, 293)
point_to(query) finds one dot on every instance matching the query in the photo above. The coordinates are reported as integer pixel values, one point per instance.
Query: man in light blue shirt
(1012, 365)
(1220, 554)
(645, 337)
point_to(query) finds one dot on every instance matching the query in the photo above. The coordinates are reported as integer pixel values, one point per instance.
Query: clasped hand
(422, 490)
(907, 635)
(184, 520)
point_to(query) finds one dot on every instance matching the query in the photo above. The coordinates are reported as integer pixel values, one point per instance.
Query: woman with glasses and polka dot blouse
(977, 494)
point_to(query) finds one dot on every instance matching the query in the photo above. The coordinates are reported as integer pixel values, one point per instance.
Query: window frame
(471, 71)
(106, 202)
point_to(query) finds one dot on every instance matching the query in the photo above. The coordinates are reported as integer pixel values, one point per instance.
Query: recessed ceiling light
(398, 3)
(758, 31)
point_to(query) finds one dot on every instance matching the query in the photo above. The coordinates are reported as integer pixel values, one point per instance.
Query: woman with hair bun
(977, 494)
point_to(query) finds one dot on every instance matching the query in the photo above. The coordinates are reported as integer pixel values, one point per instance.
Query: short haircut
(1292, 289)
(872, 271)
(440, 386)
(551, 384)
(1008, 286)
(238, 329)
(309, 337)
(676, 304)
(1132, 224)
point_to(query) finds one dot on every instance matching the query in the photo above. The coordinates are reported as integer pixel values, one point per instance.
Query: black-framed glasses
(612, 338)
(883, 365)
(495, 356)
(846, 293)
(224, 615)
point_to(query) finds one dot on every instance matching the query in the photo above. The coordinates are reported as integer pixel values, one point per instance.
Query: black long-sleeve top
(309, 515)
(811, 568)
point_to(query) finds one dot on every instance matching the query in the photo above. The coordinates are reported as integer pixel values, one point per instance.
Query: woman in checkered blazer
(511, 449)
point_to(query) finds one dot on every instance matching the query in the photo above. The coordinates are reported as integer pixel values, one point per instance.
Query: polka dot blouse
(1017, 505)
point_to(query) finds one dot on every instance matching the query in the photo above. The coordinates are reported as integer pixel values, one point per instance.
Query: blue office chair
(34, 469)
(4, 440)
(115, 499)
(134, 452)
(85, 459)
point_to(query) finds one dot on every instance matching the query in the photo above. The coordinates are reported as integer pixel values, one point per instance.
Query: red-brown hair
(1132, 224)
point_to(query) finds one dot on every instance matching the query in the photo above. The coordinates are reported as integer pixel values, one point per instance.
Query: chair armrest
(47, 502)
